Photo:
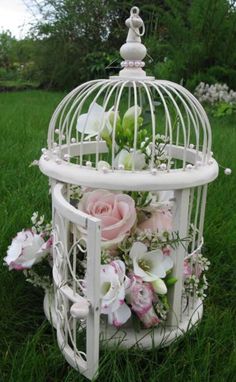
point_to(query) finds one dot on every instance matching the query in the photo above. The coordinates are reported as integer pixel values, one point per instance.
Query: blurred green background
(72, 41)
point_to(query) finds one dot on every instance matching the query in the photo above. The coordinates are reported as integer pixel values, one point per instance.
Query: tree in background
(72, 37)
(7, 53)
(199, 41)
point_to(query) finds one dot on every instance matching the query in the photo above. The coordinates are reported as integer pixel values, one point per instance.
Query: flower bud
(159, 286)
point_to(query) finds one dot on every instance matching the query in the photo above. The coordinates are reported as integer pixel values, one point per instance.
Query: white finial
(133, 51)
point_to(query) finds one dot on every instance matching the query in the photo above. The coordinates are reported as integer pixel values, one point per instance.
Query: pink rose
(116, 211)
(161, 220)
(140, 296)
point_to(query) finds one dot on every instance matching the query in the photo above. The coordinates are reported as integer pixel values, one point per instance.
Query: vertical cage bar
(195, 229)
(93, 295)
(202, 213)
(181, 225)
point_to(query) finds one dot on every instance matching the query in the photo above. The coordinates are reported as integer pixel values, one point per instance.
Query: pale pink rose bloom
(116, 211)
(26, 249)
(140, 296)
(161, 220)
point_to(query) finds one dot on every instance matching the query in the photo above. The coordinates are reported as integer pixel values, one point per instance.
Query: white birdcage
(165, 150)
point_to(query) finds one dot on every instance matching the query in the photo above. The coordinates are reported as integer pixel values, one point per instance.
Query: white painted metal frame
(67, 286)
(126, 180)
(180, 225)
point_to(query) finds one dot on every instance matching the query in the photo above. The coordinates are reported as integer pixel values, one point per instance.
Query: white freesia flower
(149, 265)
(114, 282)
(96, 121)
(127, 159)
(26, 249)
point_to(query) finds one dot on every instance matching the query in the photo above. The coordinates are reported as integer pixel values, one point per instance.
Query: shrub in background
(219, 96)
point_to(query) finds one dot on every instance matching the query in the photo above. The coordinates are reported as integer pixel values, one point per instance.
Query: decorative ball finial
(133, 51)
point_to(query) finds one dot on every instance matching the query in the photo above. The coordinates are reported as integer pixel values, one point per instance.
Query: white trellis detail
(68, 288)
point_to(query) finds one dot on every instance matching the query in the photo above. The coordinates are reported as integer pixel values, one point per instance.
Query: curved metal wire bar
(106, 101)
(91, 105)
(135, 124)
(189, 116)
(168, 118)
(59, 109)
(202, 114)
(116, 110)
(153, 122)
(181, 120)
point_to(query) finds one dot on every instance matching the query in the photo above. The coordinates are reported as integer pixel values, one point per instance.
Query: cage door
(77, 301)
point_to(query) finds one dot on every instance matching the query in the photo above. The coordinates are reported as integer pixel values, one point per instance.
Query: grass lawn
(28, 343)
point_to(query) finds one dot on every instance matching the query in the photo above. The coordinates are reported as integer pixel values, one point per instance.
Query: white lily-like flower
(96, 121)
(114, 282)
(149, 265)
(127, 160)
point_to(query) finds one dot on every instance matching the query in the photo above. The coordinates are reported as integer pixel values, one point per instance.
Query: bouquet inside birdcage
(137, 234)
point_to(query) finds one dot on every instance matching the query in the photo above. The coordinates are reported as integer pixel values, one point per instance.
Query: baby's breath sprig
(159, 149)
(196, 283)
(40, 226)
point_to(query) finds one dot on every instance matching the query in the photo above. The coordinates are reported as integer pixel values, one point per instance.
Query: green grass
(27, 342)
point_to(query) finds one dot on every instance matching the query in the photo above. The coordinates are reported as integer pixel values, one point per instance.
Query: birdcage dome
(164, 130)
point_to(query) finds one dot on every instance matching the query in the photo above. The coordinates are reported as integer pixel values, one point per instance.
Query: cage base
(160, 336)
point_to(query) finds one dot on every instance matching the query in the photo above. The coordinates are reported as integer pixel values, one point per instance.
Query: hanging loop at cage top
(136, 22)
